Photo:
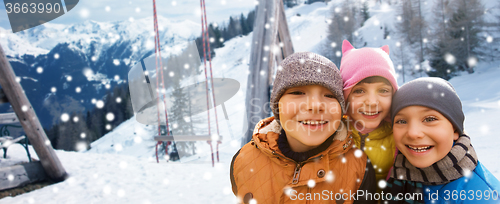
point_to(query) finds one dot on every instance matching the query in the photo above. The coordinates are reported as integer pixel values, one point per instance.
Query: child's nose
(315, 104)
(371, 99)
(414, 131)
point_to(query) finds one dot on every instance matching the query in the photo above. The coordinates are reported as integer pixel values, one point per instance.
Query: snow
(121, 167)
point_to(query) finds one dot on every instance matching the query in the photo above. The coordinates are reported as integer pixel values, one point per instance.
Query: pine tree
(364, 12)
(465, 26)
(244, 26)
(177, 119)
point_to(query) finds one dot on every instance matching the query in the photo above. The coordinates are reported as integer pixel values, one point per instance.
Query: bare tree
(343, 25)
(411, 27)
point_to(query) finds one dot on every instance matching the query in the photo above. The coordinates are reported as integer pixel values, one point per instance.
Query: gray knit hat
(434, 93)
(302, 69)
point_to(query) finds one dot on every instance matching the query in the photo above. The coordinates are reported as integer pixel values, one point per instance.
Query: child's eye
(296, 92)
(357, 91)
(430, 119)
(330, 95)
(400, 121)
(384, 91)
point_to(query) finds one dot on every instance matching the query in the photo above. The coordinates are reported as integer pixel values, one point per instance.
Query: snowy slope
(120, 167)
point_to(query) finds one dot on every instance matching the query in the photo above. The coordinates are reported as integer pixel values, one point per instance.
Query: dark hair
(375, 79)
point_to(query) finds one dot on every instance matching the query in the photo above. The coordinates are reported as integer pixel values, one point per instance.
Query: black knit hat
(434, 93)
(302, 69)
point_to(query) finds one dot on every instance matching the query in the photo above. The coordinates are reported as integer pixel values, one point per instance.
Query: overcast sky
(120, 10)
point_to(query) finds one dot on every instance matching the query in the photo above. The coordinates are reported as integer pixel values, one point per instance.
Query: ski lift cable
(210, 63)
(205, 65)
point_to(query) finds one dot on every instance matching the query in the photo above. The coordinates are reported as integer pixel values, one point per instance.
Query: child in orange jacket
(304, 153)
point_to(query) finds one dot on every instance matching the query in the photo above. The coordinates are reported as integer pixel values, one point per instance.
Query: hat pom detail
(385, 48)
(346, 46)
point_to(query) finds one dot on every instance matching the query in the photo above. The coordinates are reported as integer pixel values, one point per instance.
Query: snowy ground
(120, 167)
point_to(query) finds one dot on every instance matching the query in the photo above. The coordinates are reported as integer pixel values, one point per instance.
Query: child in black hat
(436, 158)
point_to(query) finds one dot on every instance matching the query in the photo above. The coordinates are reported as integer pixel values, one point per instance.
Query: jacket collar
(267, 131)
(383, 131)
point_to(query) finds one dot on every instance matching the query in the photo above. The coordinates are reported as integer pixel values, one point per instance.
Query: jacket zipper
(298, 167)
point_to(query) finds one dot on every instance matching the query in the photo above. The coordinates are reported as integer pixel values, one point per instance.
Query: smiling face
(369, 103)
(309, 115)
(423, 135)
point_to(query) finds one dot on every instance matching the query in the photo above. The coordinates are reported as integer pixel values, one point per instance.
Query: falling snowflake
(81, 146)
(337, 9)
(166, 181)
(108, 127)
(131, 19)
(24, 108)
(137, 10)
(138, 140)
(334, 44)
(118, 147)
(118, 100)
(329, 176)
(171, 74)
(69, 78)
(106, 190)
(64, 117)
(489, 39)
(472, 61)
(75, 119)
(467, 173)
(18, 79)
(252, 201)
(10, 177)
(83, 135)
(376, 22)
(338, 53)
(110, 116)
(400, 66)
(346, 18)
(84, 13)
(382, 184)
(429, 86)
(399, 18)
(55, 190)
(99, 104)
(107, 8)
(417, 67)
(39, 70)
(311, 183)
(47, 142)
(53, 89)
(358, 153)
(116, 62)
(344, 160)
(107, 86)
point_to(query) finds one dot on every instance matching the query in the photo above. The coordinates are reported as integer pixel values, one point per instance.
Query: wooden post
(270, 29)
(28, 119)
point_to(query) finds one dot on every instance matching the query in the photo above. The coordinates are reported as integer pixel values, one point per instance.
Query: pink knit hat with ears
(358, 64)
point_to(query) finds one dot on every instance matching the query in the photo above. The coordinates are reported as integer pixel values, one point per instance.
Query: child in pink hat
(369, 84)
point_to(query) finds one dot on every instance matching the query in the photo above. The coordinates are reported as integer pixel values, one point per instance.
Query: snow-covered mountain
(91, 57)
(90, 37)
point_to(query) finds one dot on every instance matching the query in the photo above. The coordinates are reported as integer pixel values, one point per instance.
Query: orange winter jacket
(261, 172)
